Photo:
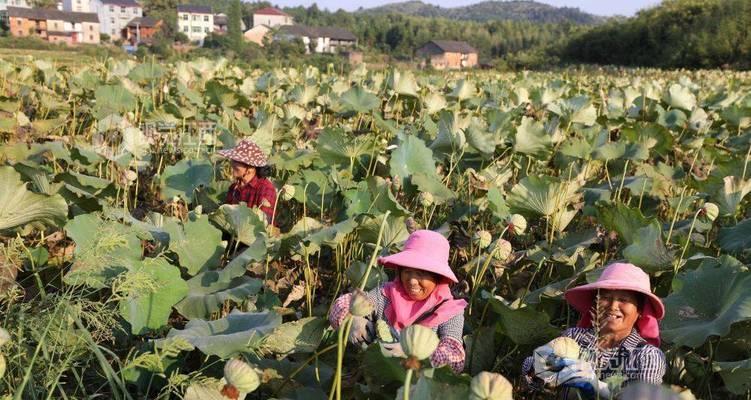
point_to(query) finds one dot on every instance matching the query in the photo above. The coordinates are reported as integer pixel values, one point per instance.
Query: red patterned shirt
(259, 192)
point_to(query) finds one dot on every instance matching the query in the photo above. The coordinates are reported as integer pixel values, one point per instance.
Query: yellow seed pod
(517, 224)
(490, 386)
(240, 375)
(418, 341)
(565, 347)
(359, 305)
(711, 211)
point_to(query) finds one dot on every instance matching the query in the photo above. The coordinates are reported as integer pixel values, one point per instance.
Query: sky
(597, 7)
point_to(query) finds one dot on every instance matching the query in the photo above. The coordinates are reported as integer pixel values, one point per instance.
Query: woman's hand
(581, 375)
(361, 330)
(392, 350)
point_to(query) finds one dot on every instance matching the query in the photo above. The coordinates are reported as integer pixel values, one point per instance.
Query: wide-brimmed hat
(246, 152)
(424, 250)
(617, 276)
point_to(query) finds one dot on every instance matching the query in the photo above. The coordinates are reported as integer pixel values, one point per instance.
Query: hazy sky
(599, 7)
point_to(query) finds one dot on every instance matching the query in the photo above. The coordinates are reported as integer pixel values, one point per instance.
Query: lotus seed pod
(565, 347)
(490, 386)
(502, 250)
(711, 210)
(131, 176)
(359, 305)
(425, 199)
(482, 239)
(418, 341)
(240, 375)
(517, 224)
(4, 337)
(198, 392)
(288, 192)
(383, 331)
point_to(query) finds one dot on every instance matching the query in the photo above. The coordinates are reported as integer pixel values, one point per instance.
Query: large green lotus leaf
(19, 207)
(112, 99)
(737, 116)
(104, 249)
(236, 333)
(303, 94)
(147, 72)
(706, 302)
(481, 140)
(621, 150)
(301, 336)
(678, 96)
(356, 273)
(463, 90)
(264, 133)
(524, 326)
(337, 148)
(450, 138)
(480, 349)
(433, 185)
(648, 249)
(411, 156)
(497, 204)
(737, 238)
(731, 194)
(372, 196)
(541, 195)
(434, 103)
(403, 83)
(135, 142)
(209, 290)
(197, 243)
(183, 178)
(623, 219)
(532, 139)
(735, 374)
(149, 308)
(577, 109)
(394, 231)
(359, 100)
(428, 388)
(243, 223)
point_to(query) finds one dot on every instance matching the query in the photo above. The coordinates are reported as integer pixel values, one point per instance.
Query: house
(195, 21)
(114, 15)
(54, 25)
(4, 4)
(221, 24)
(142, 30)
(318, 39)
(256, 34)
(447, 54)
(271, 17)
(79, 5)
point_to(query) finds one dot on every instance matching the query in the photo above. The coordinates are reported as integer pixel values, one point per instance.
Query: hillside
(491, 10)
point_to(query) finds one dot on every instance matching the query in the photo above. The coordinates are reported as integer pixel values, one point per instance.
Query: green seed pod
(383, 331)
(288, 192)
(711, 211)
(565, 347)
(359, 305)
(503, 250)
(4, 337)
(482, 239)
(425, 199)
(199, 392)
(418, 341)
(490, 386)
(240, 375)
(517, 224)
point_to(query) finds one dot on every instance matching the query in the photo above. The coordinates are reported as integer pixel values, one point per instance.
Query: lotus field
(124, 276)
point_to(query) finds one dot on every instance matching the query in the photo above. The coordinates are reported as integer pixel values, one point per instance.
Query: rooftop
(453, 46)
(193, 9)
(320, 31)
(51, 13)
(144, 22)
(270, 11)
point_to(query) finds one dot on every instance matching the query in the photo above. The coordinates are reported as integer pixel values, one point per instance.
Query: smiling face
(242, 171)
(619, 310)
(417, 283)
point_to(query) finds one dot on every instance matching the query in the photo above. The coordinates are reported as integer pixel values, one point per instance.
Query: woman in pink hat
(250, 171)
(621, 302)
(419, 294)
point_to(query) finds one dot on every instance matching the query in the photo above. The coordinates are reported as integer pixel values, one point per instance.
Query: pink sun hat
(621, 276)
(424, 250)
(246, 152)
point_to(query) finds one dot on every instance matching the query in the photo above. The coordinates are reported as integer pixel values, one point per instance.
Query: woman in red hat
(626, 312)
(250, 171)
(419, 294)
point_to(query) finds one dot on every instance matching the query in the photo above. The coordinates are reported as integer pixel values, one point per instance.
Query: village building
(114, 15)
(271, 17)
(4, 4)
(86, 6)
(257, 34)
(142, 30)
(447, 54)
(54, 25)
(319, 39)
(195, 21)
(221, 24)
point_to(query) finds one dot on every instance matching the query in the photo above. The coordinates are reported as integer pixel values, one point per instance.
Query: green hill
(491, 10)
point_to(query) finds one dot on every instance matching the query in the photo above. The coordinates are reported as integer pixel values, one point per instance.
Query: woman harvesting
(419, 294)
(250, 171)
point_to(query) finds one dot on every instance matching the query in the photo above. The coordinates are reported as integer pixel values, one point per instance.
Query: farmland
(123, 275)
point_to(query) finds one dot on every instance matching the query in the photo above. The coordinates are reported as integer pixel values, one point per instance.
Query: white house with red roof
(271, 17)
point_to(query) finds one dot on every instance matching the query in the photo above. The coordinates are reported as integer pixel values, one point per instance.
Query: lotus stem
(342, 336)
(374, 257)
(675, 215)
(623, 179)
(407, 383)
(688, 240)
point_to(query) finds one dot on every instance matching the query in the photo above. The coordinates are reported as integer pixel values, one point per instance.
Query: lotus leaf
(243, 223)
(411, 156)
(403, 83)
(737, 238)
(197, 243)
(731, 194)
(236, 333)
(623, 219)
(18, 206)
(301, 336)
(648, 249)
(372, 196)
(359, 100)
(578, 110)
(524, 326)
(541, 195)
(532, 139)
(706, 301)
(111, 99)
(678, 96)
(735, 374)
(183, 178)
(148, 308)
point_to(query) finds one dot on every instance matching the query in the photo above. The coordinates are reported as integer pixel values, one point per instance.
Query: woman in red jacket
(250, 170)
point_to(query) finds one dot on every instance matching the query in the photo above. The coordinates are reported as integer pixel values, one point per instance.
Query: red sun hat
(424, 250)
(246, 152)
